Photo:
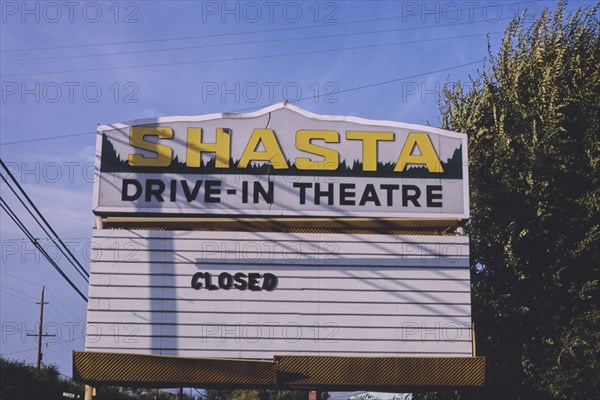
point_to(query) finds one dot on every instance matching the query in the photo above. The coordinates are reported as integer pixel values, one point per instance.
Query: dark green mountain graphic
(112, 162)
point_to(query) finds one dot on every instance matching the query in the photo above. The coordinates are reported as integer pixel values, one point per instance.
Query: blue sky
(68, 66)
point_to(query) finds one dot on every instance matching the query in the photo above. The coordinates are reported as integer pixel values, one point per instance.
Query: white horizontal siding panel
(319, 332)
(304, 271)
(260, 353)
(274, 308)
(338, 295)
(109, 318)
(251, 249)
(273, 236)
(221, 251)
(297, 343)
(195, 258)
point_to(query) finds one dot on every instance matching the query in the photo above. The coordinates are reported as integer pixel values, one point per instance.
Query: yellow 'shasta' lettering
(195, 147)
(427, 156)
(370, 140)
(331, 158)
(137, 135)
(272, 152)
(264, 146)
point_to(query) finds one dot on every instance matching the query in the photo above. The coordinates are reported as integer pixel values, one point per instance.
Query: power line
(374, 84)
(19, 293)
(298, 100)
(20, 225)
(64, 306)
(17, 296)
(41, 226)
(66, 347)
(28, 301)
(20, 279)
(214, 35)
(20, 351)
(60, 313)
(45, 238)
(24, 229)
(398, 79)
(22, 296)
(299, 53)
(32, 298)
(79, 270)
(249, 42)
(209, 36)
(56, 353)
(50, 293)
(62, 247)
(48, 344)
(49, 138)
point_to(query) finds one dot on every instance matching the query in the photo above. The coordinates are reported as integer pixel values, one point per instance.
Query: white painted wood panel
(234, 344)
(259, 353)
(111, 317)
(277, 308)
(381, 260)
(369, 294)
(275, 236)
(126, 298)
(318, 332)
(250, 248)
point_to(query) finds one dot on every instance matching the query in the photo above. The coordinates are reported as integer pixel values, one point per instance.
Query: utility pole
(40, 334)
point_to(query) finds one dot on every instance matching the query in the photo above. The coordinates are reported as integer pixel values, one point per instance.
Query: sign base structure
(283, 372)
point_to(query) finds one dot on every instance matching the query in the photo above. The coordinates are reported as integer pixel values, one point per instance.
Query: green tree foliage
(22, 381)
(533, 123)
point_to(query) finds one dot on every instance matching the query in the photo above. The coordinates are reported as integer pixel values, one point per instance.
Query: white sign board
(256, 295)
(281, 161)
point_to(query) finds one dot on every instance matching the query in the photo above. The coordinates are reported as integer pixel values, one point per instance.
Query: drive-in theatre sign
(279, 249)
